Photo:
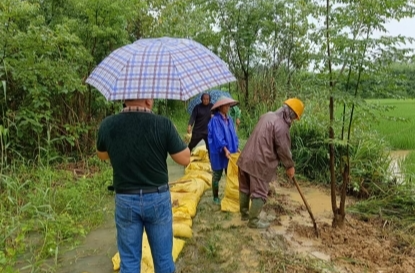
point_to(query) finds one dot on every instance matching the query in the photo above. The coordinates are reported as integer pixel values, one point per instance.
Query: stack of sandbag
(187, 191)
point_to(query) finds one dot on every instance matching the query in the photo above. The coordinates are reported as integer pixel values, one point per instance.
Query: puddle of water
(95, 253)
(305, 246)
(320, 204)
(394, 167)
(319, 201)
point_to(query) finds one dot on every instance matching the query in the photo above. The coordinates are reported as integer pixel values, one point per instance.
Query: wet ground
(359, 246)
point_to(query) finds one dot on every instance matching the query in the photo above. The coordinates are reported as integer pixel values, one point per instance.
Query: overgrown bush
(395, 206)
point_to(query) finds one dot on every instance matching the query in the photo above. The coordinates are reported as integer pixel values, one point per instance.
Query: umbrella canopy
(214, 96)
(159, 68)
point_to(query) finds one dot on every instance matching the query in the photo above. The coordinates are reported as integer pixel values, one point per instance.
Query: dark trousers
(252, 186)
(196, 138)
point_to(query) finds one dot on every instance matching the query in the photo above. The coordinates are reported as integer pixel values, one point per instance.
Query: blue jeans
(133, 213)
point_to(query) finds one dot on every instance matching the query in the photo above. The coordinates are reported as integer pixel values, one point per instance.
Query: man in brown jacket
(268, 145)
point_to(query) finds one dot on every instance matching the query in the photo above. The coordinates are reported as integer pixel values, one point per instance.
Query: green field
(398, 124)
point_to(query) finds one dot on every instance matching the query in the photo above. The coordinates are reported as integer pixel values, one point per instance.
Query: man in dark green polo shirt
(137, 143)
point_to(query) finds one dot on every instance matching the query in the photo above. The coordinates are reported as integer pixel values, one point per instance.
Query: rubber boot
(244, 206)
(254, 211)
(215, 191)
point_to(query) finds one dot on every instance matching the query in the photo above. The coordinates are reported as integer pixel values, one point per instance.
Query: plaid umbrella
(159, 68)
(214, 96)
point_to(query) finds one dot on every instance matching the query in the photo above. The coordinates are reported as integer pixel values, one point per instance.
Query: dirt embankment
(360, 246)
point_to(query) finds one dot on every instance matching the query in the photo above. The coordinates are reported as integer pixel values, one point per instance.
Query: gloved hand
(290, 172)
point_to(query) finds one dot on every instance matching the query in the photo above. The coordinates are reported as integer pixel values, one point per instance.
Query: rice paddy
(398, 124)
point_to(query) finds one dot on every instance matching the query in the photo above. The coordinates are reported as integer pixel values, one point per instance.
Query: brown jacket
(269, 144)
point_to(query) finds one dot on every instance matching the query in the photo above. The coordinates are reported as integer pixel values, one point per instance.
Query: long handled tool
(308, 207)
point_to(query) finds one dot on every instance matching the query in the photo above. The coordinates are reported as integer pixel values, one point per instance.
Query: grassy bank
(44, 208)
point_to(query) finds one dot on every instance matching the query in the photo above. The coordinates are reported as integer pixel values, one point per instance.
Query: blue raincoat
(221, 134)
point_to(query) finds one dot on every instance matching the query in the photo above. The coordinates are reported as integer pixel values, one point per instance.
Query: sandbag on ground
(204, 175)
(185, 202)
(194, 185)
(230, 202)
(198, 166)
(182, 217)
(182, 230)
(200, 153)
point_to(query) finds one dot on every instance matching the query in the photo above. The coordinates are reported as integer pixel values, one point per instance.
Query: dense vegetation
(276, 49)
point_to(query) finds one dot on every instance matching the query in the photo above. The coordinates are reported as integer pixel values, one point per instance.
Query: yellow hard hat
(296, 105)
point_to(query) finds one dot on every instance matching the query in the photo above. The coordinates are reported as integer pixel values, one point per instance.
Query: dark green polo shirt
(138, 143)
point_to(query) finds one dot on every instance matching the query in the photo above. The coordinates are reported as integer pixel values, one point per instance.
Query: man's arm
(283, 147)
(177, 149)
(182, 158)
(101, 147)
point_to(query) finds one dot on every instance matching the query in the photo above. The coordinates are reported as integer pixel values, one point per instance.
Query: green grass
(180, 118)
(408, 167)
(44, 208)
(398, 124)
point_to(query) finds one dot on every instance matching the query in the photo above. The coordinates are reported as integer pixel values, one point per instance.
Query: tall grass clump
(177, 112)
(369, 160)
(408, 168)
(309, 144)
(44, 208)
(395, 207)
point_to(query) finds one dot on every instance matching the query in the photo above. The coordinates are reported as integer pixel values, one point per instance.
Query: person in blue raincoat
(222, 139)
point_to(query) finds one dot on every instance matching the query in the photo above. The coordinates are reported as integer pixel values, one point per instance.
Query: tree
(262, 38)
(349, 45)
(47, 49)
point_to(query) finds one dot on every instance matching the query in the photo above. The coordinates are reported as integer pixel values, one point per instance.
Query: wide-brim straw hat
(224, 101)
